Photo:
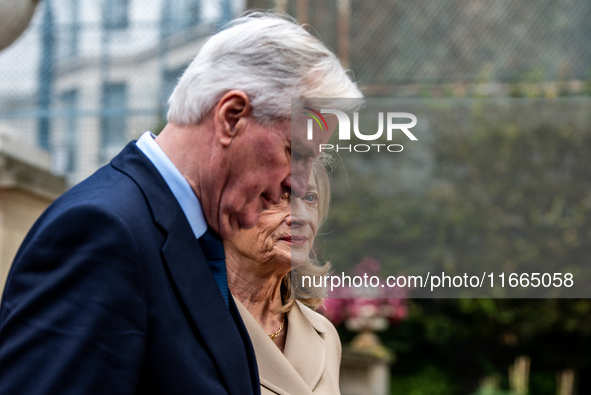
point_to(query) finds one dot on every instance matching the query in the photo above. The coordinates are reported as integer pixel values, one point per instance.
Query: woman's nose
(299, 215)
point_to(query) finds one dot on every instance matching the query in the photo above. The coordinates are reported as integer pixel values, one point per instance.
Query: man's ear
(230, 110)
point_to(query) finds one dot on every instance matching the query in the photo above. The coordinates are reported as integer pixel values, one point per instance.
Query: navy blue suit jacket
(110, 294)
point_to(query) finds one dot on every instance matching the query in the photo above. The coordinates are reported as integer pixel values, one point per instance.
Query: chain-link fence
(392, 44)
(88, 76)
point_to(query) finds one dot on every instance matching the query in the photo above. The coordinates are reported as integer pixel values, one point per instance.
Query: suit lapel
(254, 372)
(205, 304)
(190, 273)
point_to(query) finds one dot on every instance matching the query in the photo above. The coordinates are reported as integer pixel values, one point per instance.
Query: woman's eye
(311, 198)
(285, 198)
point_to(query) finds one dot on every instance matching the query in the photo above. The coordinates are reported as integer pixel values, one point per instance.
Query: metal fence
(404, 42)
(90, 75)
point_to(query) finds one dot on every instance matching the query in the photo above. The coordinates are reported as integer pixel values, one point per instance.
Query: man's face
(262, 165)
(283, 236)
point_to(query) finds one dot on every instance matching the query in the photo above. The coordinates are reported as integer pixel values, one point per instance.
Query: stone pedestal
(26, 188)
(365, 371)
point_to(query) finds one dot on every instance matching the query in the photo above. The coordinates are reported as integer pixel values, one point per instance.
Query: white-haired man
(120, 287)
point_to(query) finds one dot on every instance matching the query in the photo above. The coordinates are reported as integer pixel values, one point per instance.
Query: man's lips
(296, 240)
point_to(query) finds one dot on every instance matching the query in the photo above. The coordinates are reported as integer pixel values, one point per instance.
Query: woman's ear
(230, 114)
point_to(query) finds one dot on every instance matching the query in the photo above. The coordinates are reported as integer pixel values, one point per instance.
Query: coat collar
(190, 273)
(313, 318)
(299, 369)
(137, 166)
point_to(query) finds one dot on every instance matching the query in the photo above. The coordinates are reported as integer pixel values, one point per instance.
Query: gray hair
(268, 57)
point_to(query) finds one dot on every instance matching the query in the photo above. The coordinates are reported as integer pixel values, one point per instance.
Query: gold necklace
(274, 335)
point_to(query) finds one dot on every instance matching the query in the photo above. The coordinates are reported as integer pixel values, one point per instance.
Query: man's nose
(298, 178)
(298, 183)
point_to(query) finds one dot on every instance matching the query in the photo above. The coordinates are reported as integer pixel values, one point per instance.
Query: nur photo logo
(393, 126)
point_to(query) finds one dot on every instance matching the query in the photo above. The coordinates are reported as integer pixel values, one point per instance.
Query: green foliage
(429, 380)
(501, 189)
(495, 184)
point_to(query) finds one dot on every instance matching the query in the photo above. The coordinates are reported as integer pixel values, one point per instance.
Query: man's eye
(296, 156)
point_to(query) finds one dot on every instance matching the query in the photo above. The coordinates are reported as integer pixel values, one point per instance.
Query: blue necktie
(213, 249)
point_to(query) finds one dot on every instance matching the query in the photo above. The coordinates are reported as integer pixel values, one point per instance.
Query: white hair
(268, 57)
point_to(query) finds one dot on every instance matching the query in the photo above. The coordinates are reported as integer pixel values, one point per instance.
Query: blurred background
(87, 76)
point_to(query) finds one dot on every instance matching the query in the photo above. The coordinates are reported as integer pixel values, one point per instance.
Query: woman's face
(284, 234)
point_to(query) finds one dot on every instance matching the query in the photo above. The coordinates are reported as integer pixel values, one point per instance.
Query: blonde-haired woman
(298, 351)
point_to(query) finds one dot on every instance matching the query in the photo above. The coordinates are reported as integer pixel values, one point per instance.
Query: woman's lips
(295, 240)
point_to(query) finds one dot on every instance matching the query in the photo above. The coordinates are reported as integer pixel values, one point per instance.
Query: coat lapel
(298, 370)
(191, 274)
(304, 347)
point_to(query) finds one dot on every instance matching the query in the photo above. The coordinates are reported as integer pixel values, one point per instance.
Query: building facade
(95, 74)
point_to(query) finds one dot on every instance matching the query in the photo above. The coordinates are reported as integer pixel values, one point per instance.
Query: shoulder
(94, 226)
(107, 187)
(91, 213)
(108, 194)
(79, 239)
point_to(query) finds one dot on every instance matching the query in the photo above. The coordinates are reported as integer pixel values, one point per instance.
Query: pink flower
(357, 310)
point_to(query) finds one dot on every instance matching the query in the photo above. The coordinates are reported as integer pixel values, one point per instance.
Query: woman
(298, 351)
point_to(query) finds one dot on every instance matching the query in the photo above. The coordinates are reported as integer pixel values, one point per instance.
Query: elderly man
(120, 287)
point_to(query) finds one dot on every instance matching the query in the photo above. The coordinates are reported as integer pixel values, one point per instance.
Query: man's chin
(232, 226)
(227, 232)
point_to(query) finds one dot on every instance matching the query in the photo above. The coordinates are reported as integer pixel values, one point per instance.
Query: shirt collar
(178, 185)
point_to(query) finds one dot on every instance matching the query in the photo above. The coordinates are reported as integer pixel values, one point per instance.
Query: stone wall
(26, 188)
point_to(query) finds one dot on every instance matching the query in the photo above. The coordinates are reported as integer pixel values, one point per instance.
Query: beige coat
(311, 359)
